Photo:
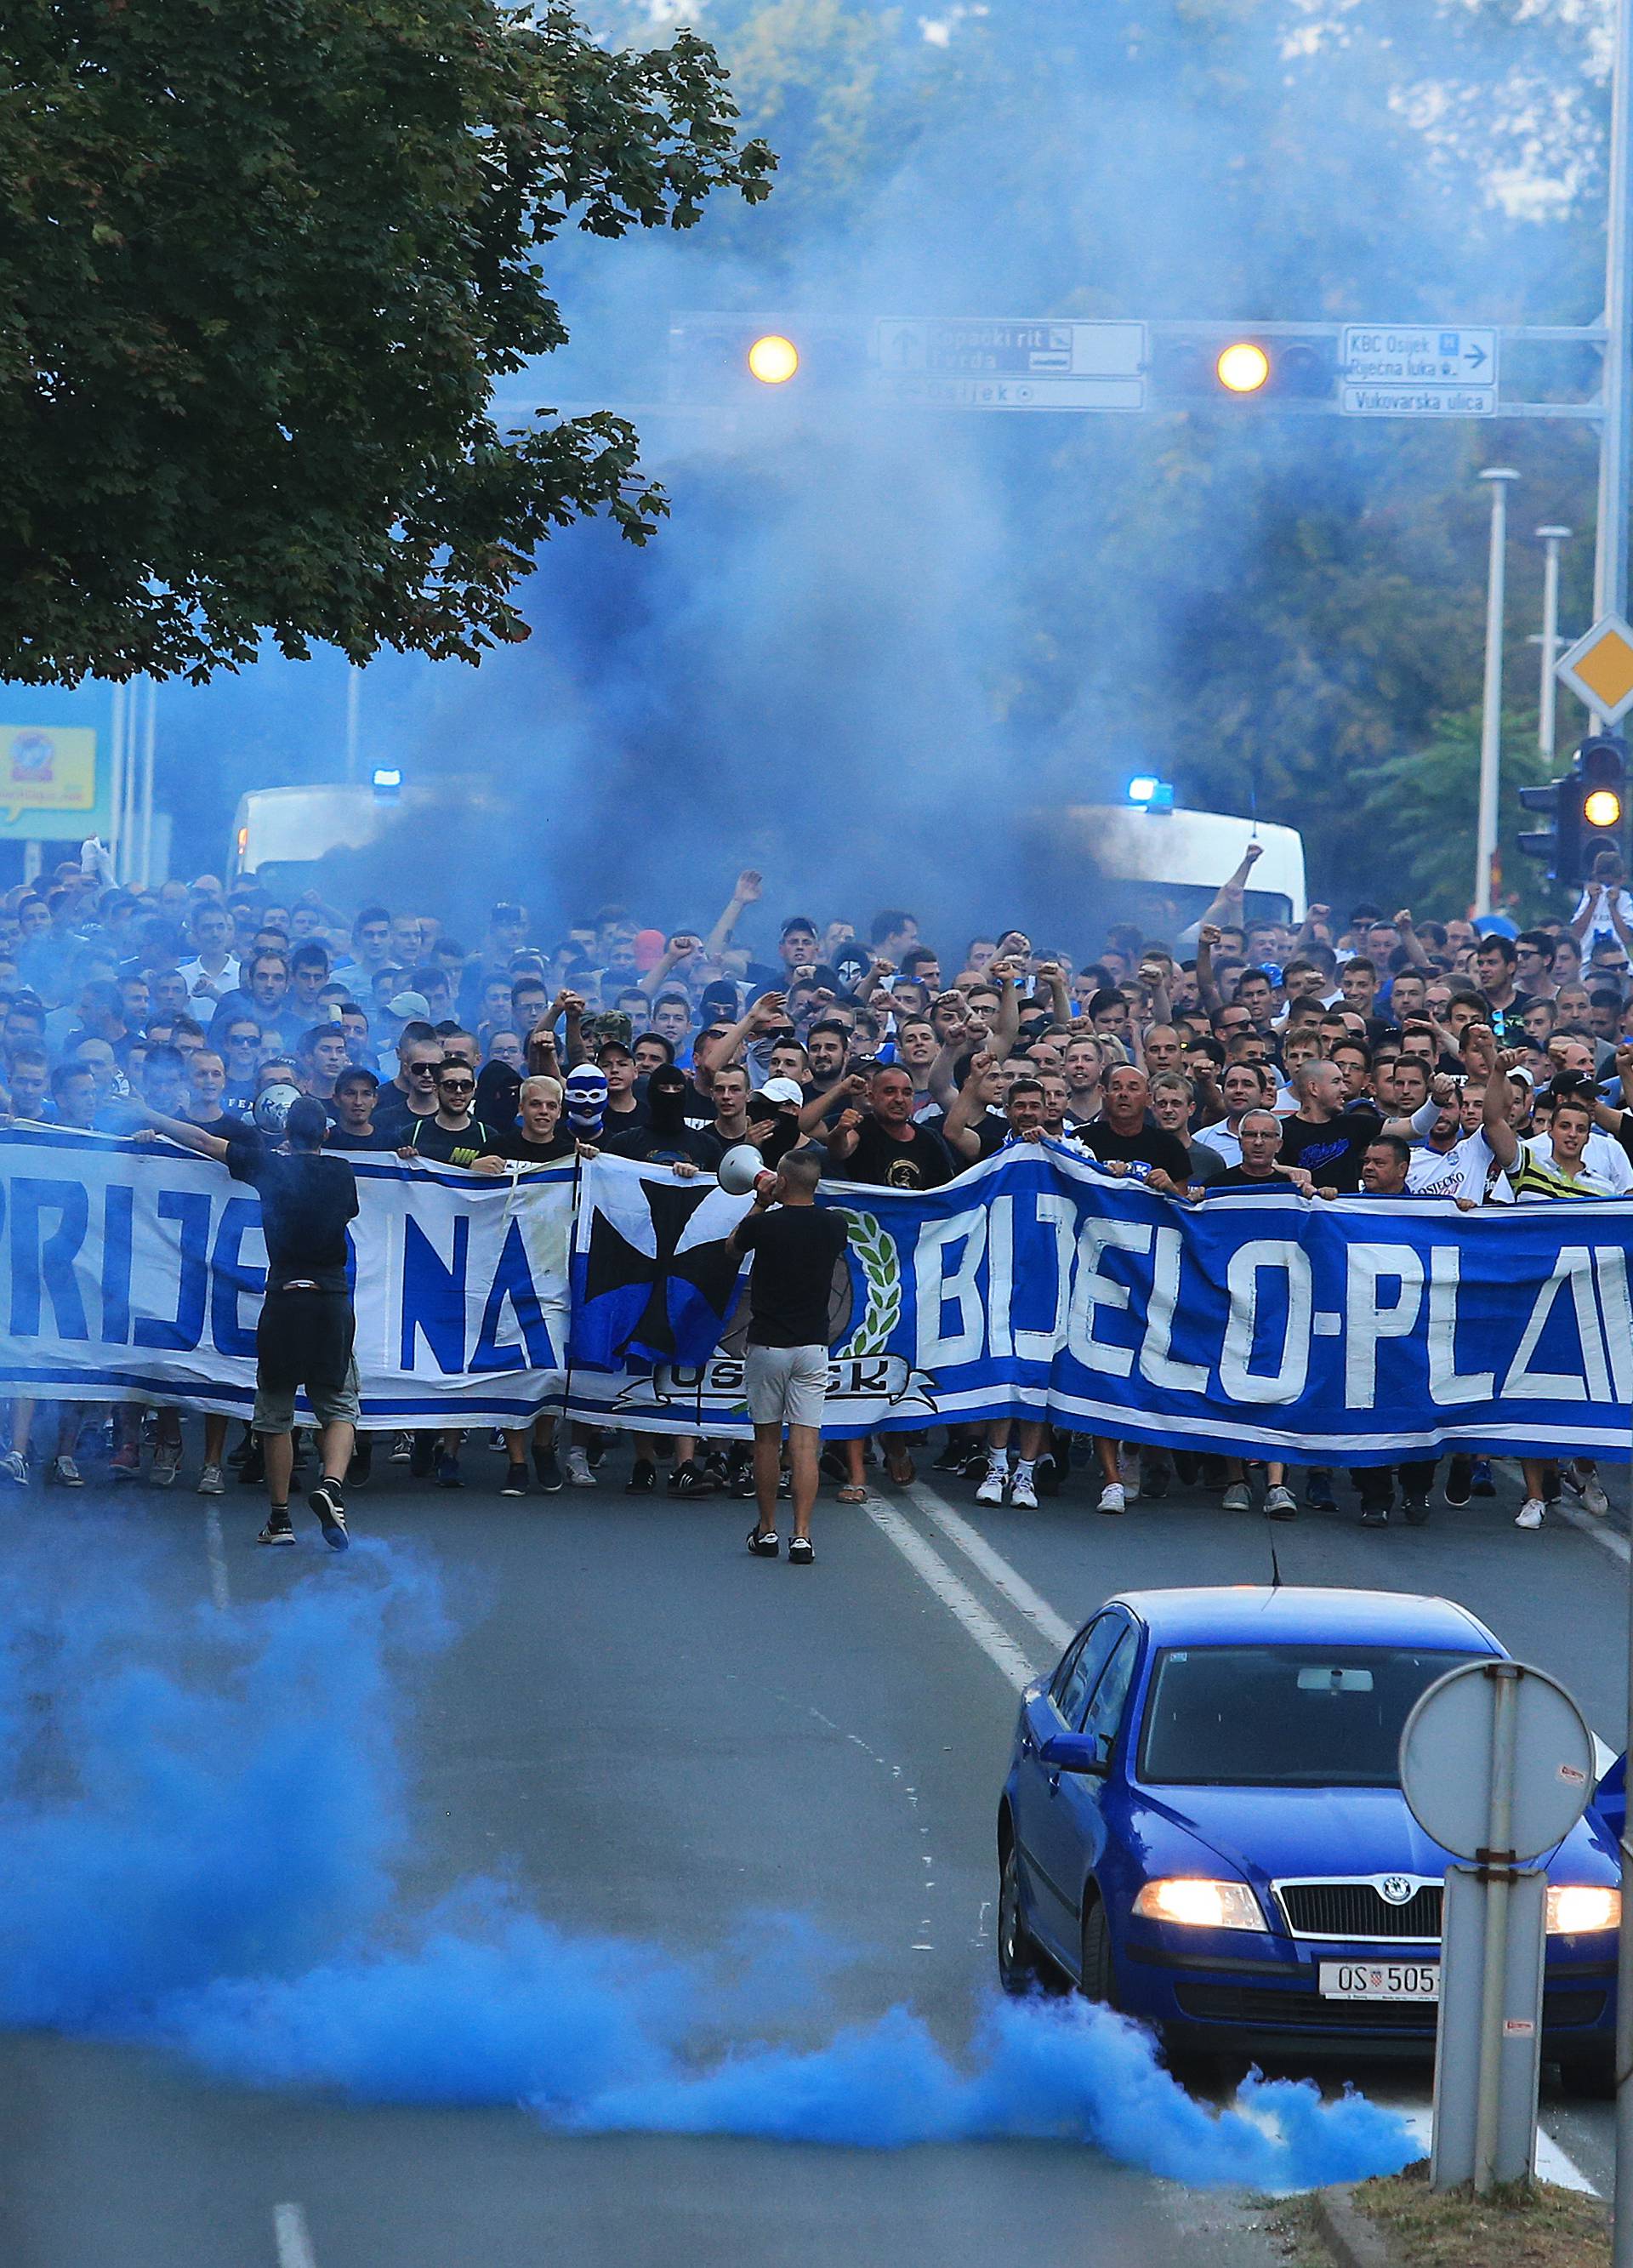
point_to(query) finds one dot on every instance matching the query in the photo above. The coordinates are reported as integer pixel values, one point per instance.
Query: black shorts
(304, 1338)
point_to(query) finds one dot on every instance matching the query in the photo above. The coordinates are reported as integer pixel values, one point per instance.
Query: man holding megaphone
(794, 1249)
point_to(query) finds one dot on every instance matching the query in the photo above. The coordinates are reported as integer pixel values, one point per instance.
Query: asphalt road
(663, 1740)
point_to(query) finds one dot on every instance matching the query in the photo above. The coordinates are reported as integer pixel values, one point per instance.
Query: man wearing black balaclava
(665, 1139)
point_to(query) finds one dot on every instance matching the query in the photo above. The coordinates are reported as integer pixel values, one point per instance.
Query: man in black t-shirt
(355, 1127)
(538, 1138)
(1259, 1134)
(796, 1249)
(305, 1334)
(883, 1145)
(1323, 1137)
(452, 1135)
(1123, 1134)
(664, 1138)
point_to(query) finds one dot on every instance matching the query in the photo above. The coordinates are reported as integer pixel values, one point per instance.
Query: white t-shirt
(227, 981)
(1467, 1169)
(1601, 925)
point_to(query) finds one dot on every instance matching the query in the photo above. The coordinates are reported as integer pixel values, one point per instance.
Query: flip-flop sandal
(850, 1495)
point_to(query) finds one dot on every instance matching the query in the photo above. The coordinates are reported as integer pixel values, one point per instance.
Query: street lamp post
(1550, 538)
(1491, 709)
(1615, 450)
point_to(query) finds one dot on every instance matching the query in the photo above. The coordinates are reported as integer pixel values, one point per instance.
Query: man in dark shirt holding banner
(795, 1249)
(305, 1334)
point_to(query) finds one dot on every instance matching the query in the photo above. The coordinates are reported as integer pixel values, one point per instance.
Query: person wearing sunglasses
(411, 1093)
(239, 1043)
(451, 1134)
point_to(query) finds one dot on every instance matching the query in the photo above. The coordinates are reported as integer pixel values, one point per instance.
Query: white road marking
(294, 2241)
(1608, 1538)
(993, 1565)
(1552, 2164)
(959, 1601)
(216, 1552)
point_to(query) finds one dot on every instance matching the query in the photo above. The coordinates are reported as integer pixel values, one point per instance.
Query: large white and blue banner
(1355, 1332)
(133, 1271)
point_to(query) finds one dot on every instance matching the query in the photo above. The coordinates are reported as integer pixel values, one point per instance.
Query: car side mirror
(1076, 1752)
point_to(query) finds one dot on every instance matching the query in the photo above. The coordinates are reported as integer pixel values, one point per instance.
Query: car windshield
(1284, 1716)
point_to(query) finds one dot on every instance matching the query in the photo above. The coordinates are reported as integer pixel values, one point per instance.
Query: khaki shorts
(787, 1386)
(331, 1405)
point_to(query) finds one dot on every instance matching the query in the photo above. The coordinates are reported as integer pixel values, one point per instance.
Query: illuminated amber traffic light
(773, 359)
(1603, 808)
(1243, 367)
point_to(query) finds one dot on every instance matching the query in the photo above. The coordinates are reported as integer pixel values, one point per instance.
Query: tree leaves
(258, 269)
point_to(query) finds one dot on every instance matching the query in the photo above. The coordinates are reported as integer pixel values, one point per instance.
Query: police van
(1159, 866)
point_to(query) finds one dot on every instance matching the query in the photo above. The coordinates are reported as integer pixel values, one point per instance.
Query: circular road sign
(1447, 1758)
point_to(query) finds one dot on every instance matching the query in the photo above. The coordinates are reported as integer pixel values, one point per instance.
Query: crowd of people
(1354, 1053)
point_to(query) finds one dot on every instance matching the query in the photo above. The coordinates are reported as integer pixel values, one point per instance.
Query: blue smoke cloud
(167, 1841)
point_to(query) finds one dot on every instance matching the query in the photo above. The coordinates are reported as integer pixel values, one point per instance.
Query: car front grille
(1359, 1910)
(1261, 2007)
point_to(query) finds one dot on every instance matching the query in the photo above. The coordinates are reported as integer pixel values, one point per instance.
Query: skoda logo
(1395, 1889)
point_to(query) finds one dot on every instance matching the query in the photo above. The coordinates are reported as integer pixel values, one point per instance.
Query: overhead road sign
(1417, 370)
(1598, 668)
(1010, 363)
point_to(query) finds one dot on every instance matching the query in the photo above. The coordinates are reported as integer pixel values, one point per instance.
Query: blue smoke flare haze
(167, 1839)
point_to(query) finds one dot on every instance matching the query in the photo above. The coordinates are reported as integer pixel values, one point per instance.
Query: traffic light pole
(1610, 597)
(1491, 707)
(1616, 452)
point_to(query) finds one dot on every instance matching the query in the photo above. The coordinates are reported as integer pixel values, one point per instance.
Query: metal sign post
(1496, 1764)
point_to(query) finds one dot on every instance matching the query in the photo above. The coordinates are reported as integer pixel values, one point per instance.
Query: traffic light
(1196, 363)
(730, 359)
(1588, 809)
(1558, 841)
(1600, 778)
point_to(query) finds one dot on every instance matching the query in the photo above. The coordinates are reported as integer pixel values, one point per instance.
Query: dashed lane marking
(214, 1551)
(292, 2237)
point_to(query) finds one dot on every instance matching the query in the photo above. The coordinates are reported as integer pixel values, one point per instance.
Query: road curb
(1351, 2240)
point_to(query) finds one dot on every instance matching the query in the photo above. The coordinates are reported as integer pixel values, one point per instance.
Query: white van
(1161, 869)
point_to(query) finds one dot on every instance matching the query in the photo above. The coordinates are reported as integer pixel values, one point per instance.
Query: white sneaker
(402, 1449)
(1023, 1494)
(167, 1460)
(1236, 1498)
(991, 1490)
(212, 1481)
(1530, 1512)
(1594, 1491)
(578, 1473)
(14, 1468)
(1114, 1498)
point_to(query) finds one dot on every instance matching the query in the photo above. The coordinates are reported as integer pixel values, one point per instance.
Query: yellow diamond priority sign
(1598, 668)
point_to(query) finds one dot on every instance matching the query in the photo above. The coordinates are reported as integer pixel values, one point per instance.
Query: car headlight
(1198, 1904)
(1575, 1907)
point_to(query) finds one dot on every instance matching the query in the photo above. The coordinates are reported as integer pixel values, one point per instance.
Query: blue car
(1202, 1825)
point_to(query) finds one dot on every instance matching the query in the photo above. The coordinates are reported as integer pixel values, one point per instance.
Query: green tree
(259, 267)
(1418, 809)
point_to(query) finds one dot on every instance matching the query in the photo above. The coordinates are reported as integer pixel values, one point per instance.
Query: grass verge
(1526, 2225)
